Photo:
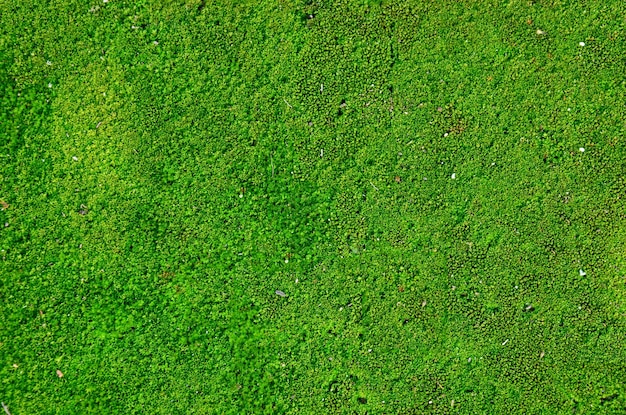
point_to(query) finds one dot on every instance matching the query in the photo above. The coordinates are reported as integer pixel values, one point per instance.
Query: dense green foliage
(410, 174)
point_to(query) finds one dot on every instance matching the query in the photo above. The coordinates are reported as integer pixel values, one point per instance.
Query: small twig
(289, 105)
(6, 408)
(374, 186)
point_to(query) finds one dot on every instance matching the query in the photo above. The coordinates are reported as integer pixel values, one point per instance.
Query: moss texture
(437, 188)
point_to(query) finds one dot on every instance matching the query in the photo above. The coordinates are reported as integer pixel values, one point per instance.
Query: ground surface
(410, 175)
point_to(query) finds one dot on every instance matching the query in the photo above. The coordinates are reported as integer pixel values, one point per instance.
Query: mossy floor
(312, 207)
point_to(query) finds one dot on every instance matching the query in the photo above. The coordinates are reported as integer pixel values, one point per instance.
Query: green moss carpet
(312, 207)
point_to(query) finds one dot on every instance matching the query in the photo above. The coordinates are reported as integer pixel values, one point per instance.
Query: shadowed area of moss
(436, 189)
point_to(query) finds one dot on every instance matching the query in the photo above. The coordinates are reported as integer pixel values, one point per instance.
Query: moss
(408, 174)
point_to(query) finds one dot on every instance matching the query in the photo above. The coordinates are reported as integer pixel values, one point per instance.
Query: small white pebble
(516, 287)
(582, 43)
(297, 280)
(105, 1)
(453, 176)
(74, 158)
(48, 63)
(49, 85)
(340, 308)
(280, 293)
(569, 109)
(582, 273)
(369, 350)
(286, 261)
(582, 150)
(240, 195)
(445, 134)
(469, 359)
(155, 42)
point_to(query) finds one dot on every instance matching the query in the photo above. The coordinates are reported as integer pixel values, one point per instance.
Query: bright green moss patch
(439, 190)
